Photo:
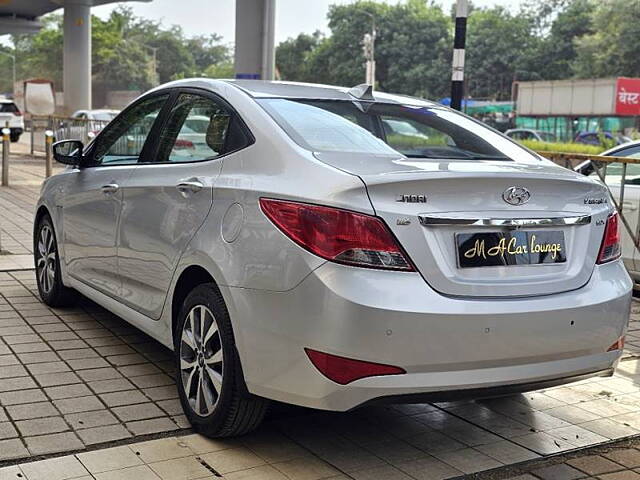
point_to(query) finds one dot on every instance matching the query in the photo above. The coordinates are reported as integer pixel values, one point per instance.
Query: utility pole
(457, 66)
(368, 47)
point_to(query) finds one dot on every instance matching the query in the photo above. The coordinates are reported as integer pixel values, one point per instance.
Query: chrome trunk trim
(442, 221)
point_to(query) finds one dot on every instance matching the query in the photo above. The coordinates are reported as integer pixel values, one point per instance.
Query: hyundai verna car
(333, 248)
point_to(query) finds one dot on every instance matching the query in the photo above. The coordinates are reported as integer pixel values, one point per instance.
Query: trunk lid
(427, 203)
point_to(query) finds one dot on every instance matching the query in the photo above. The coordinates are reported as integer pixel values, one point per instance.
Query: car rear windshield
(8, 108)
(383, 128)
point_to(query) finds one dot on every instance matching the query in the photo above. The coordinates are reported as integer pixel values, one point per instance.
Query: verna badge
(516, 195)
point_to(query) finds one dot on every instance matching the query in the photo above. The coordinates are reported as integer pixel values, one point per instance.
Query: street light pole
(13, 58)
(457, 66)
(369, 42)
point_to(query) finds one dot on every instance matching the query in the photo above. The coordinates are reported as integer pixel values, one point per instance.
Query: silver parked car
(312, 255)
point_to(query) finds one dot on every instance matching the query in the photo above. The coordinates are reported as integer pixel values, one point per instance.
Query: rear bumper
(446, 345)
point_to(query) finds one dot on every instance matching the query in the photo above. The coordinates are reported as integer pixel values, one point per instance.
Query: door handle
(190, 186)
(110, 188)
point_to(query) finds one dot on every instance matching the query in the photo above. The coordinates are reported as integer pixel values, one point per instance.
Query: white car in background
(631, 200)
(11, 116)
(308, 255)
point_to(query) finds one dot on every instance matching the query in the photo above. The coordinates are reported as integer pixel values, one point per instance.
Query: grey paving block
(38, 346)
(87, 363)
(115, 350)
(10, 449)
(67, 344)
(48, 367)
(133, 359)
(99, 374)
(51, 327)
(12, 371)
(111, 433)
(114, 385)
(18, 339)
(22, 396)
(7, 431)
(38, 357)
(93, 333)
(68, 391)
(152, 381)
(560, 471)
(104, 341)
(54, 443)
(79, 404)
(166, 392)
(6, 360)
(137, 412)
(172, 407)
(53, 336)
(138, 370)
(78, 354)
(42, 426)
(127, 397)
(156, 425)
(53, 379)
(18, 383)
(96, 418)
(31, 410)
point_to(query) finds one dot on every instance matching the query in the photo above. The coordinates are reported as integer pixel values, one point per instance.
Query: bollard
(48, 146)
(5, 156)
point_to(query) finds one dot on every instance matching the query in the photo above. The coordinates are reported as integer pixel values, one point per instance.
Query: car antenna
(364, 92)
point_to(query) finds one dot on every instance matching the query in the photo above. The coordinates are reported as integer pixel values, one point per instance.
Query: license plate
(491, 249)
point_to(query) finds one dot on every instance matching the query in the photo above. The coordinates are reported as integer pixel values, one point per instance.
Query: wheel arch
(190, 278)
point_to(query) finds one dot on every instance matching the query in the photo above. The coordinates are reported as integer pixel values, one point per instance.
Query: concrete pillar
(77, 55)
(255, 39)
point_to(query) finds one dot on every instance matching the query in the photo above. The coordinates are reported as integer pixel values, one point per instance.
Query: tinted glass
(196, 130)
(378, 128)
(122, 142)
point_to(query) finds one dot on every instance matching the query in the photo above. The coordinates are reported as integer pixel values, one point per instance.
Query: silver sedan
(333, 247)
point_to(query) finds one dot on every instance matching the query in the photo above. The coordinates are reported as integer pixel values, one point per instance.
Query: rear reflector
(338, 235)
(619, 345)
(346, 370)
(610, 249)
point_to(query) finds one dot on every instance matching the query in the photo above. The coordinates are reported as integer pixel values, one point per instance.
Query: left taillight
(338, 235)
(610, 248)
(344, 370)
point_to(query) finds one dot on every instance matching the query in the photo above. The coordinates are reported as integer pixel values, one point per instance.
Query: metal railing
(63, 128)
(598, 164)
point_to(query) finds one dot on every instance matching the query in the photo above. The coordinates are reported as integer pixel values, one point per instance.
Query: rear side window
(198, 128)
(8, 108)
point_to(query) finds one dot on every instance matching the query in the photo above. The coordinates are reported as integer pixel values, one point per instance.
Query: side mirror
(68, 152)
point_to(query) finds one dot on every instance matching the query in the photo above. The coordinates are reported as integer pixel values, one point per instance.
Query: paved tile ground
(75, 379)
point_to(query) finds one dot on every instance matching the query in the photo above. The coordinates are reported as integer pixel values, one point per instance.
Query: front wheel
(47, 262)
(14, 137)
(209, 378)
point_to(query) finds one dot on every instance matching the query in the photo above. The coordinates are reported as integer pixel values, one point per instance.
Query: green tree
(293, 56)
(612, 47)
(500, 48)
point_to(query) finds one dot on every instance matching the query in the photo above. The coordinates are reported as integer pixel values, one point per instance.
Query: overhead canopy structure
(22, 16)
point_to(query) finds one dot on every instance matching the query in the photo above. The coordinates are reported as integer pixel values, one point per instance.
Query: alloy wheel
(46, 261)
(201, 360)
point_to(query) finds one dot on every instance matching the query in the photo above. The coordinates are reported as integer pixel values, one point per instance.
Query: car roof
(277, 89)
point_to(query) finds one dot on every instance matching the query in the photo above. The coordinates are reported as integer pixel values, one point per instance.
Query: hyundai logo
(516, 195)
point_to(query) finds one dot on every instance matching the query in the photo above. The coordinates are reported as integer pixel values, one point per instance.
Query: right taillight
(610, 249)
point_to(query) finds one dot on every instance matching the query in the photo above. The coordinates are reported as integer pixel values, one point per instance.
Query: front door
(167, 199)
(93, 196)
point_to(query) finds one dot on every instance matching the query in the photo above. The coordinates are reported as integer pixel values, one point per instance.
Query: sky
(202, 17)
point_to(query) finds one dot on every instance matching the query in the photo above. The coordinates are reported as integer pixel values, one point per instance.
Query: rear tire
(209, 379)
(47, 261)
(14, 137)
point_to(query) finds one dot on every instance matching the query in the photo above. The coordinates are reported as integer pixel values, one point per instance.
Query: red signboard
(628, 96)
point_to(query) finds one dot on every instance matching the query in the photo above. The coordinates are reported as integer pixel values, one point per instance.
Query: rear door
(169, 196)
